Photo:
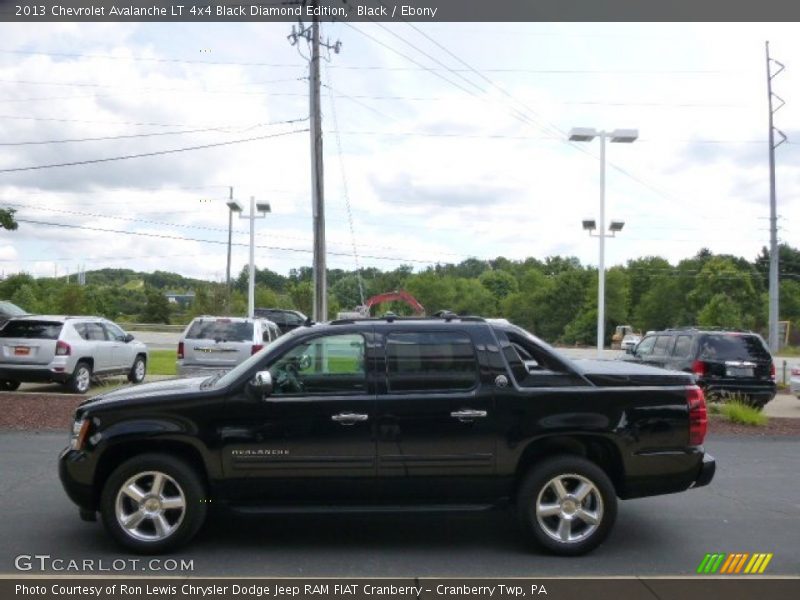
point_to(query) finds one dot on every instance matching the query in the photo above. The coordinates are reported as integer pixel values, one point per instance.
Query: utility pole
(774, 289)
(311, 35)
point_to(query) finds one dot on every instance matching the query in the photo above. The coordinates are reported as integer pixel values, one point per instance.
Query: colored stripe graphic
(734, 563)
(765, 563)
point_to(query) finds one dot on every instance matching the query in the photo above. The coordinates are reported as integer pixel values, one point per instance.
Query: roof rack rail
(710, 328)
(446, 316)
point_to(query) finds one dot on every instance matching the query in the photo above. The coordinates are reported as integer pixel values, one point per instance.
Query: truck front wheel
(153, 503)
(568, 505)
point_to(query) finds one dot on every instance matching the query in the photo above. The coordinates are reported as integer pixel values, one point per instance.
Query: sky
(442, 141)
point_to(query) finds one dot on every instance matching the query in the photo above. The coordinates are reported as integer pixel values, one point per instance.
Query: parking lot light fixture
(620, 136)
(257, 211)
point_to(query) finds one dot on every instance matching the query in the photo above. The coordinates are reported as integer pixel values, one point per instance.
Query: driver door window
(332, 364)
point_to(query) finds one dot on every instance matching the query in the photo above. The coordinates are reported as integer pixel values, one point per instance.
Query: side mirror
(128, 338)
(630, 350)
(261, 383)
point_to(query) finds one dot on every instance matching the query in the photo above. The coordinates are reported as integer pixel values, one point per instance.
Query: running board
(420, 508)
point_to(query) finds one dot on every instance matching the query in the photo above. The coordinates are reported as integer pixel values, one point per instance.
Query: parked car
(285, 319)
(794, 382)
(442, 414)
(629, 341)
(211, 344)
(723, 361)
(68, 350)
(8, 310)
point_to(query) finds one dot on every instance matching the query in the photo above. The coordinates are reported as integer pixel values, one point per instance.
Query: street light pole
(251, 289)
(257, 211)
(601, 273)
(585, 134)
(230, 236)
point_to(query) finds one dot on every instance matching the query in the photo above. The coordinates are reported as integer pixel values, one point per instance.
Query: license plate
(739, 371)
(22, 350)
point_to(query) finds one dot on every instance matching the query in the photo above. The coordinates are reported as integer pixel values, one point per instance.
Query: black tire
(81, 379)
(8, 386)
(137, 374)
(185, 481)
(601, 502)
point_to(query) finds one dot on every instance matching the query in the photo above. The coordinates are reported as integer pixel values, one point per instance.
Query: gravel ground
(30, 411)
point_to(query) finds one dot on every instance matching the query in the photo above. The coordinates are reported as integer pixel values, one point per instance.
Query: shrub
(737, 411)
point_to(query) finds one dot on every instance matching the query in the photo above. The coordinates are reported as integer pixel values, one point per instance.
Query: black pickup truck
(451, 413)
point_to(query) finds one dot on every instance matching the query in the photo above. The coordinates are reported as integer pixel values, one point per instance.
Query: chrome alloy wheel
(569, 508)
(139, 371)
(150, 506)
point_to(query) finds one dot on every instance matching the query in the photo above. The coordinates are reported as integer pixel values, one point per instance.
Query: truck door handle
(349, 418)
(468, 415)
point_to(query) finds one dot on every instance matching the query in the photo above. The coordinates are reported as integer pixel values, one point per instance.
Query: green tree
(71, 300)
(25, 298)
(157, 308)
(500, 283)
(720, 311)
(7, 220)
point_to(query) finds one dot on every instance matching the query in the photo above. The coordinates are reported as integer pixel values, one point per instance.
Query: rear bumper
(707, 470)
(33, 374)
(199, 370)
(759, 392)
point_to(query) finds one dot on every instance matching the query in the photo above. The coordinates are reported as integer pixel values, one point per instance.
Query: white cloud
(433, 172)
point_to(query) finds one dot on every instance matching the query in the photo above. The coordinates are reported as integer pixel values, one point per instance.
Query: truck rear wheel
(568, 505)
(153, 503)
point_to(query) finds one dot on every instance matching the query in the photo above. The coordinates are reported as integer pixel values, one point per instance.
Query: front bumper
(74, 471)
(707, 470)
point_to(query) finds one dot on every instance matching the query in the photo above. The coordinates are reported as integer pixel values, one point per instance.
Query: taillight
(772, 370)
(63, 348)
(180, 349)
(256, 348)
(699, 368)
(698, 417)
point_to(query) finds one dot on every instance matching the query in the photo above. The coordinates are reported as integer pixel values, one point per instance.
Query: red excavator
(401, 295)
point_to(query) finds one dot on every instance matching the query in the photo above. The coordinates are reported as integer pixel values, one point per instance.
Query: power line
(157, 153)
(216, 242)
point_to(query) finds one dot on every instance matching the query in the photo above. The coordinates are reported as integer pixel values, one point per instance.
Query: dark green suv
(723, 361)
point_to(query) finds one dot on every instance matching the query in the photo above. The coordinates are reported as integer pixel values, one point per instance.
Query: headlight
(80, 431)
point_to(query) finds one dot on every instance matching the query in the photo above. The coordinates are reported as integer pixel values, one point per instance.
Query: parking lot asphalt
(753, 505)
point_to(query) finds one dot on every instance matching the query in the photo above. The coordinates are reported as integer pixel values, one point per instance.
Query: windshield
(224, 379)
(11, 310)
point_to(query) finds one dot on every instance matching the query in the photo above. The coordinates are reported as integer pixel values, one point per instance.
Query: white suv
(212, 344)
(68, 350)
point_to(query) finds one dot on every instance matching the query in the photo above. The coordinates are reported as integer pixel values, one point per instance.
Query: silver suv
(212, 344)
(68, 350)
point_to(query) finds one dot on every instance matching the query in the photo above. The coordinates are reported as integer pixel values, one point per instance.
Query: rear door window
(683, 345)
(39, 330)
(426, 361)
(221, 330)
(95, 332)
(662, 345)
